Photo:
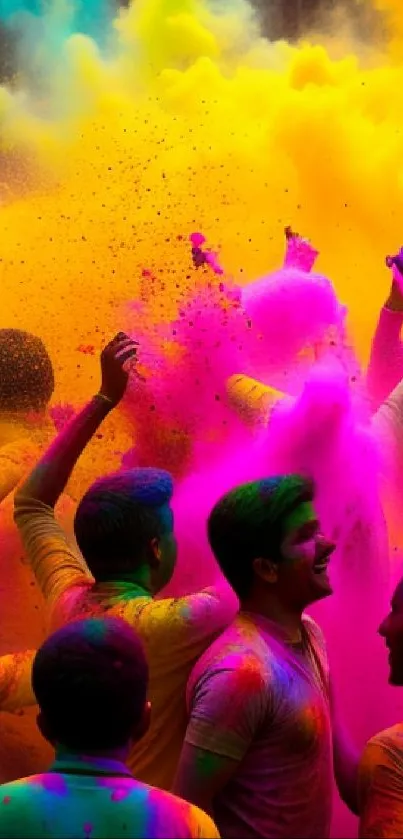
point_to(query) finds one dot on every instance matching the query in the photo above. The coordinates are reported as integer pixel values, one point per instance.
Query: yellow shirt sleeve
(189, 622)
(57, 565)
(381, 786)
(16, 459)
(15, 681)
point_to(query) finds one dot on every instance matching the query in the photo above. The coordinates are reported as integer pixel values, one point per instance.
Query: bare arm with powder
(49, 478)
(385, 367)
(56, 564)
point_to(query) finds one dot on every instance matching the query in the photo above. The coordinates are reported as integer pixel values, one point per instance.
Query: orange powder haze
(189, 120)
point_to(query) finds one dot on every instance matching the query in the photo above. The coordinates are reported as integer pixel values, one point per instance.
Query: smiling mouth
(321, 567)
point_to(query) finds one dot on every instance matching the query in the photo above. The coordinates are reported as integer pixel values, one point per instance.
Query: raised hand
(395, 299)
(114, 368)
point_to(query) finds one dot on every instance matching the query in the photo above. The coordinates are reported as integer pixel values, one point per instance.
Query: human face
(303, 569)
(391, 629)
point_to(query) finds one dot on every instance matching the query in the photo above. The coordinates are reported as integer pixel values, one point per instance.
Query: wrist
(394, 305)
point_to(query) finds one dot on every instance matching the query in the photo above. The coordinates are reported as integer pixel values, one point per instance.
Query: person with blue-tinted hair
(124, 530)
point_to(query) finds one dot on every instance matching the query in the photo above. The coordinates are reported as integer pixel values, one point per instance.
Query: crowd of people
(197, 716)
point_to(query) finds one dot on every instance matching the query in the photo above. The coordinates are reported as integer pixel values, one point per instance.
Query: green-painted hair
(248, 522)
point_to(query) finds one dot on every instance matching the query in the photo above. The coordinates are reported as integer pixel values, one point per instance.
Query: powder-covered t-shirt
(96, 799)
(381, 786)
(257, 700)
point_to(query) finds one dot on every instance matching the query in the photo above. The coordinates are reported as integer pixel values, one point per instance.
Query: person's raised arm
(50, 476)
(56, 563)
(385, 368)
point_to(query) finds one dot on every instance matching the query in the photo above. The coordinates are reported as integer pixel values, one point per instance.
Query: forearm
(50, 476)
(346, 763)
(385, 367)
(387, 425)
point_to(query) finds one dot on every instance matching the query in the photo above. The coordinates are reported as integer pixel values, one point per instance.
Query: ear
(142, 727)
(154, 553)
(266, 570)
(43, 728)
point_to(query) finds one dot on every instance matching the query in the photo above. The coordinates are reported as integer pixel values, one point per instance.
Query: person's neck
(288, 620)
(63, 753)
(132, 578)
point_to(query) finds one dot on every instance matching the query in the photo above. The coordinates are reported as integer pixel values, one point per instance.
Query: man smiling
(258, 748)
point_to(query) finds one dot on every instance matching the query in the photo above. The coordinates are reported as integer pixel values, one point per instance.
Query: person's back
(124, 530)
(56, 804)
(90, 680)
(175, 631)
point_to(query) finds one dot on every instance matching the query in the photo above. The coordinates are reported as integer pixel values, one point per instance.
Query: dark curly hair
(26, 373)
(248, 523)
(90, 679)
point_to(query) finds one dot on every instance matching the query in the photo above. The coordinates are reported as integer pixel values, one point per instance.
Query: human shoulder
(16, 459)
(381, 765)
(17, 793)
(196, 617)
(380, 785)
(173, 816)
(238, 660)
(313, 629)
(385, 748)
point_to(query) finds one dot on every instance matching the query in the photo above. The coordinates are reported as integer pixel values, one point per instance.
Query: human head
(26, 372)
(266, 538)
(124, 527)
(90, 680)
(391, 629)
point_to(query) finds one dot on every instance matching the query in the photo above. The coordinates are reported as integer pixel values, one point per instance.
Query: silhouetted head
(266, 537)
(124, 528)
(90, 680)
(391, 629)
(26, 372)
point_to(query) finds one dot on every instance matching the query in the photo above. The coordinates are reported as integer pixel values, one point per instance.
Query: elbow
(18, 500)
(22, 498)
